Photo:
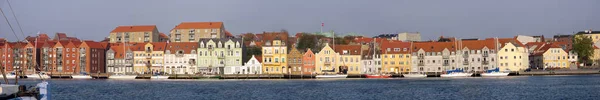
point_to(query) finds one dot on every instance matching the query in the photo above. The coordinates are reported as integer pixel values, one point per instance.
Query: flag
(322, 24)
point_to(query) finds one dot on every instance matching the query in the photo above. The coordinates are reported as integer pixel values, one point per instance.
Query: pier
(100, 75)
(559, 72)
(60, 75)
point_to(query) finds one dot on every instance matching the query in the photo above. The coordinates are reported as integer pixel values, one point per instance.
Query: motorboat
(159, 77)
(122, 76)
(40, 75)
(331, 76)
(494, 73)
(378, 75)
(456, 73)
(81, 76)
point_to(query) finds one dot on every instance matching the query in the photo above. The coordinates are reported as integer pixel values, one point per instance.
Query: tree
(307, 41)
(256, 51)
(583, 46)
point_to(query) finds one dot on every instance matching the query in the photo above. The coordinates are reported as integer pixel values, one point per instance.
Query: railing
(221, 56)
(485, 54)
(178, 55)
(148, 57)
(466, 63)
(146, 35)
(485, 62)
(446, 57)
(465, 55)
(446, 64)
(421, 57)
(327, 62)
(421, 64)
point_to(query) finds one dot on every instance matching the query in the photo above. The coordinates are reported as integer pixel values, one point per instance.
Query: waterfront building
(8, 56)
(409, 36)
(478, 55)
(194, 31)
(92, 57)
(433, 57)
(119, 59)
(294, 60)
(32, 57)
(180, 58)
(566, 39)
(274, 56)
(548, 55)
(308, 62)
(396, 57)
(134, 34)
(72, 57)
(58, 57)
(325, 62)
(148, 57)
(349, 57)
(219, 56)
(595, 36)
(512, 55)
(47, 53)
(252, 66)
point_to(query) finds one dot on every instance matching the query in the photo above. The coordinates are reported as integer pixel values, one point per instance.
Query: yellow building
(349, 58)
(194, 31)
(148, 57)
(512, 55)
(325, 61)
(395, 57)
(274, 57)
(134, 34)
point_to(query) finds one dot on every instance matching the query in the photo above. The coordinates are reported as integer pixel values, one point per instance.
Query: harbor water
(471, 88)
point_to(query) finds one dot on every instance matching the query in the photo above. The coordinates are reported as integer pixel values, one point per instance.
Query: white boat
(331, 76)
(159, 77)
(494, 74)
(38, 76)
(11, 76)
(8, 89)
(414, 75)
(81, 76)
(457, 74)
(118, 76)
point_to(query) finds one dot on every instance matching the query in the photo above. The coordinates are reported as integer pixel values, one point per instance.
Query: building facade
(512, 55)
(325, 61)
(134, 34)
(181, 57)
(396, 57)
(91, 57)
(409, 36)
(253, 66)
(194, 31)
(274, 57)
(148, 57)
(294, 60)
(119, 59)
(349, 58)
(219, 56)
(308, 62)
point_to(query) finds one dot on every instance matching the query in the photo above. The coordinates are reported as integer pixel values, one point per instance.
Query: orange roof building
(134, 34)
(194, 31)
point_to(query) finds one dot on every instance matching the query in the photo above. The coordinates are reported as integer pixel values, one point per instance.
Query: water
(507, 88)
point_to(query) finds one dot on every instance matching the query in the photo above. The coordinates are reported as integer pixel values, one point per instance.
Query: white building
(180, 58)
(253, 66)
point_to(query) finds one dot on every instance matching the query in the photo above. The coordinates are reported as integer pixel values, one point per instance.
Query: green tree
(583, 46)
(307, 41)
(256, 51)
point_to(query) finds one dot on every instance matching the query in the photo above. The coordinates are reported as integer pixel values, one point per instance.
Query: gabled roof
(544, 48)
(163, 35)
(434, 46)
(199, 25)
(478, 44)
(228, 34)
(93, 44)
(119, 49)
(350, 49)
(186, 47)
(403, 46)
(134, 28)
(159, 46)
(259, 58)
(514, 41)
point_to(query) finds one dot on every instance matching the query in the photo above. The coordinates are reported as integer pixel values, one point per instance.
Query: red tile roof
(119, 49)
(93, 44)
(228, 34)
(434, 46)
(259, 58)
(186, 47)
(199, 25)
(159, 46)
(390, 44)
(478, 44)
(350, 49)
(163, 35)
(134, 28)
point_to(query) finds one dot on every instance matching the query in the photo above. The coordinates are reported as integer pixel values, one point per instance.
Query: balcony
(221, 56)
(446, 57)
(466, 63)
(446, 64)
(421, 57)
(421, 64)
(485, 62)
(146, 35)
(178, 55)
(485, 55)
(465, 55)
(148, 57)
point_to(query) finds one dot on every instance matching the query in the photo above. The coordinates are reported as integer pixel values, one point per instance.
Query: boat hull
(331, 76)
(159, 77)
(81, 77)
(10, 76)
(122, 77)
(494, 74)
(414, 75)
(37, 76)
(457, 75)
(378, 76)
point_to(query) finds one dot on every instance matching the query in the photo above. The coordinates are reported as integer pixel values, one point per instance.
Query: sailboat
(494, 73)
(373, 75)
(10, 91)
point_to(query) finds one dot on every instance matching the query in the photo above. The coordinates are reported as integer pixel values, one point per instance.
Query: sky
(94, 19)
